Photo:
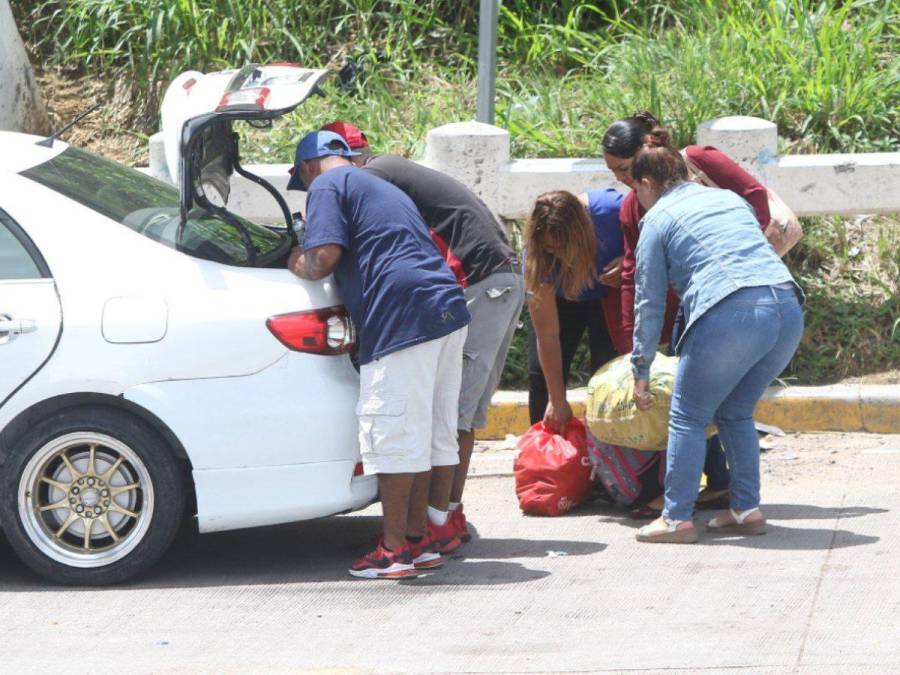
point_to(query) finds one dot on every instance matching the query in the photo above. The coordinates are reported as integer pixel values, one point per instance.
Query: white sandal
(739, 526)
(649, 534)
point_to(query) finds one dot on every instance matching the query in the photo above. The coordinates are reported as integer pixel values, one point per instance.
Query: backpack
(620, 470)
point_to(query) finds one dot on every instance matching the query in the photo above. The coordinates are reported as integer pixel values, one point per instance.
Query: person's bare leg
(416, 520)
(466, 440)
(395, 489)
(441, 482)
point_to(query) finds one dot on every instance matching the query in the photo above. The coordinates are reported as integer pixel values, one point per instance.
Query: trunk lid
(198, 112)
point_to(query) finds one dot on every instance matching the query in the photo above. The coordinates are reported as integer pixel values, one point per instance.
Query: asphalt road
(819, 594)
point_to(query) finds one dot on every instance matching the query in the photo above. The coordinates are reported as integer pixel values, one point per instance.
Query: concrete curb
(844, 407)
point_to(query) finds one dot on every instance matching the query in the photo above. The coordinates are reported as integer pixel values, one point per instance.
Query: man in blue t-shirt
(477, 251)
(412, 321)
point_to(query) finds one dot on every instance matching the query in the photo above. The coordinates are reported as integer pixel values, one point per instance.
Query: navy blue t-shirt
(603, 207)
(393, 280)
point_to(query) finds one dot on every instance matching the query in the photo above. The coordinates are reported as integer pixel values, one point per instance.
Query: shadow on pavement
(793, 539)
(808, 512)
(778, 536)
(480, 548)
(309, 552)
(459, 572)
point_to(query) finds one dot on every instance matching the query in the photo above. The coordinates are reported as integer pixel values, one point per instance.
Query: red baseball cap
(354, 137)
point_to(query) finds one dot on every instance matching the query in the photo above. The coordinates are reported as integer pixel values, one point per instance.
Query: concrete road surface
(819, 594)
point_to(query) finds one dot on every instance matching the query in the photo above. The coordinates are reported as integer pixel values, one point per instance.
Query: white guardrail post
(812, 185)
(474, 154)
(158, 166)
(749, 141)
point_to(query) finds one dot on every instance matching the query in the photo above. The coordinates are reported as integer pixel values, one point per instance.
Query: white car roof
(19, 152)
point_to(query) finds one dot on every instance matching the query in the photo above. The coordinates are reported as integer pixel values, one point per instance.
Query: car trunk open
(198, 114)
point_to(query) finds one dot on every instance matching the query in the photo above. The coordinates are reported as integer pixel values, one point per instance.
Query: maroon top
(725, 173)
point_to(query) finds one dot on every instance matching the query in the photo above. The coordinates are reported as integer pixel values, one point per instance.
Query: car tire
(91, 496)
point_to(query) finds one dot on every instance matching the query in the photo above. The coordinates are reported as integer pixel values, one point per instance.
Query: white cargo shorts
(408, 407)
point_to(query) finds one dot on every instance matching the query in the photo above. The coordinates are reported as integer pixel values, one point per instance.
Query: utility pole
(21, 108)
(487, 59)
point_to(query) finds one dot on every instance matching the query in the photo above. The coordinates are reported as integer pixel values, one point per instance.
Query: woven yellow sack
(611, 413)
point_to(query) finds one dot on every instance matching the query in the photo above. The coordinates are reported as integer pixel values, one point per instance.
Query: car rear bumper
(300, 410)
(230, 499)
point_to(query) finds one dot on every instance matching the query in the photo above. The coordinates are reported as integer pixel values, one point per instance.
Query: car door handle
(11, 328)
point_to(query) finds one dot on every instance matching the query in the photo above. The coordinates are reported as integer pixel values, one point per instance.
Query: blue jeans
(715, 466)
(729, 357)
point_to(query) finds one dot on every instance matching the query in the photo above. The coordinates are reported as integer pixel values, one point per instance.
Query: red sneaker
(384, 564)
(458, 518)
(424, 554)
(444, 536)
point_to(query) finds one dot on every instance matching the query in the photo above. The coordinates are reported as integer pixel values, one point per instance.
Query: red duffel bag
(553, 471)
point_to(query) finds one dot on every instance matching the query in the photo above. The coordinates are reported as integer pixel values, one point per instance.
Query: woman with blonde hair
(573, 246)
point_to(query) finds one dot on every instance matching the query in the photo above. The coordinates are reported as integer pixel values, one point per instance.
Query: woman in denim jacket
(622, 140)
(743, 325)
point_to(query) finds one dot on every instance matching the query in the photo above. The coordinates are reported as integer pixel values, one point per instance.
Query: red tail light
(358, 469)
(320, 331)
(253, 96)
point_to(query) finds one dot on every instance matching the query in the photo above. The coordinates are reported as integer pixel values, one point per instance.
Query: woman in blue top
(573, 247)
(743, 325)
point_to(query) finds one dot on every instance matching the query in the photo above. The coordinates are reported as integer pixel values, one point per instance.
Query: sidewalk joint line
(824, 570)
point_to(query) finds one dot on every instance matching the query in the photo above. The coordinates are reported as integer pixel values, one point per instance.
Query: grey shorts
(495, 304)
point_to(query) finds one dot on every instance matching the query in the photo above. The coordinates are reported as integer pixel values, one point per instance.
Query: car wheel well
(40, 411)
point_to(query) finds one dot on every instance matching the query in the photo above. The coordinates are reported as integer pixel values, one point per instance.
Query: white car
(156, 357)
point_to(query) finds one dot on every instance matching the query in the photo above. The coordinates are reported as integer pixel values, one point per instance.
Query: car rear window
(151, 207)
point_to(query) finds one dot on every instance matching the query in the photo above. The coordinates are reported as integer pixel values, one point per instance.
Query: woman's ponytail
(625, 137)
(647, 118)
(658, 137)
(660, 162)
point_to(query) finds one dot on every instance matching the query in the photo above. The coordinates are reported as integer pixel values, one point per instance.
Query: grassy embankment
(827, 73)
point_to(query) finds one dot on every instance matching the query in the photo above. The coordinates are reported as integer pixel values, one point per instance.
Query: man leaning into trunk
(411, 316)
(476, 248)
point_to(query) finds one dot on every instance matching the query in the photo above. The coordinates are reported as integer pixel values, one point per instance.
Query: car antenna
(48, 142)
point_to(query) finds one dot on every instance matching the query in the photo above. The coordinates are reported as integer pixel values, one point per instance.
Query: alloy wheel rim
(86, 499)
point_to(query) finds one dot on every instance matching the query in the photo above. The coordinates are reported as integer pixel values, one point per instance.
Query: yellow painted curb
(881, 408)
(508, 413)
(858, 407)
(834, 408)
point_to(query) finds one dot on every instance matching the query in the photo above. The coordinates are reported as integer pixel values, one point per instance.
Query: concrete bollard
(158, 167)
(474, 154)
(750, 141)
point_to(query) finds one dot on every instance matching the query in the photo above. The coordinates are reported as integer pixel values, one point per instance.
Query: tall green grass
(158, 38)
(829, 77)
(828, 73)
(850, 271)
